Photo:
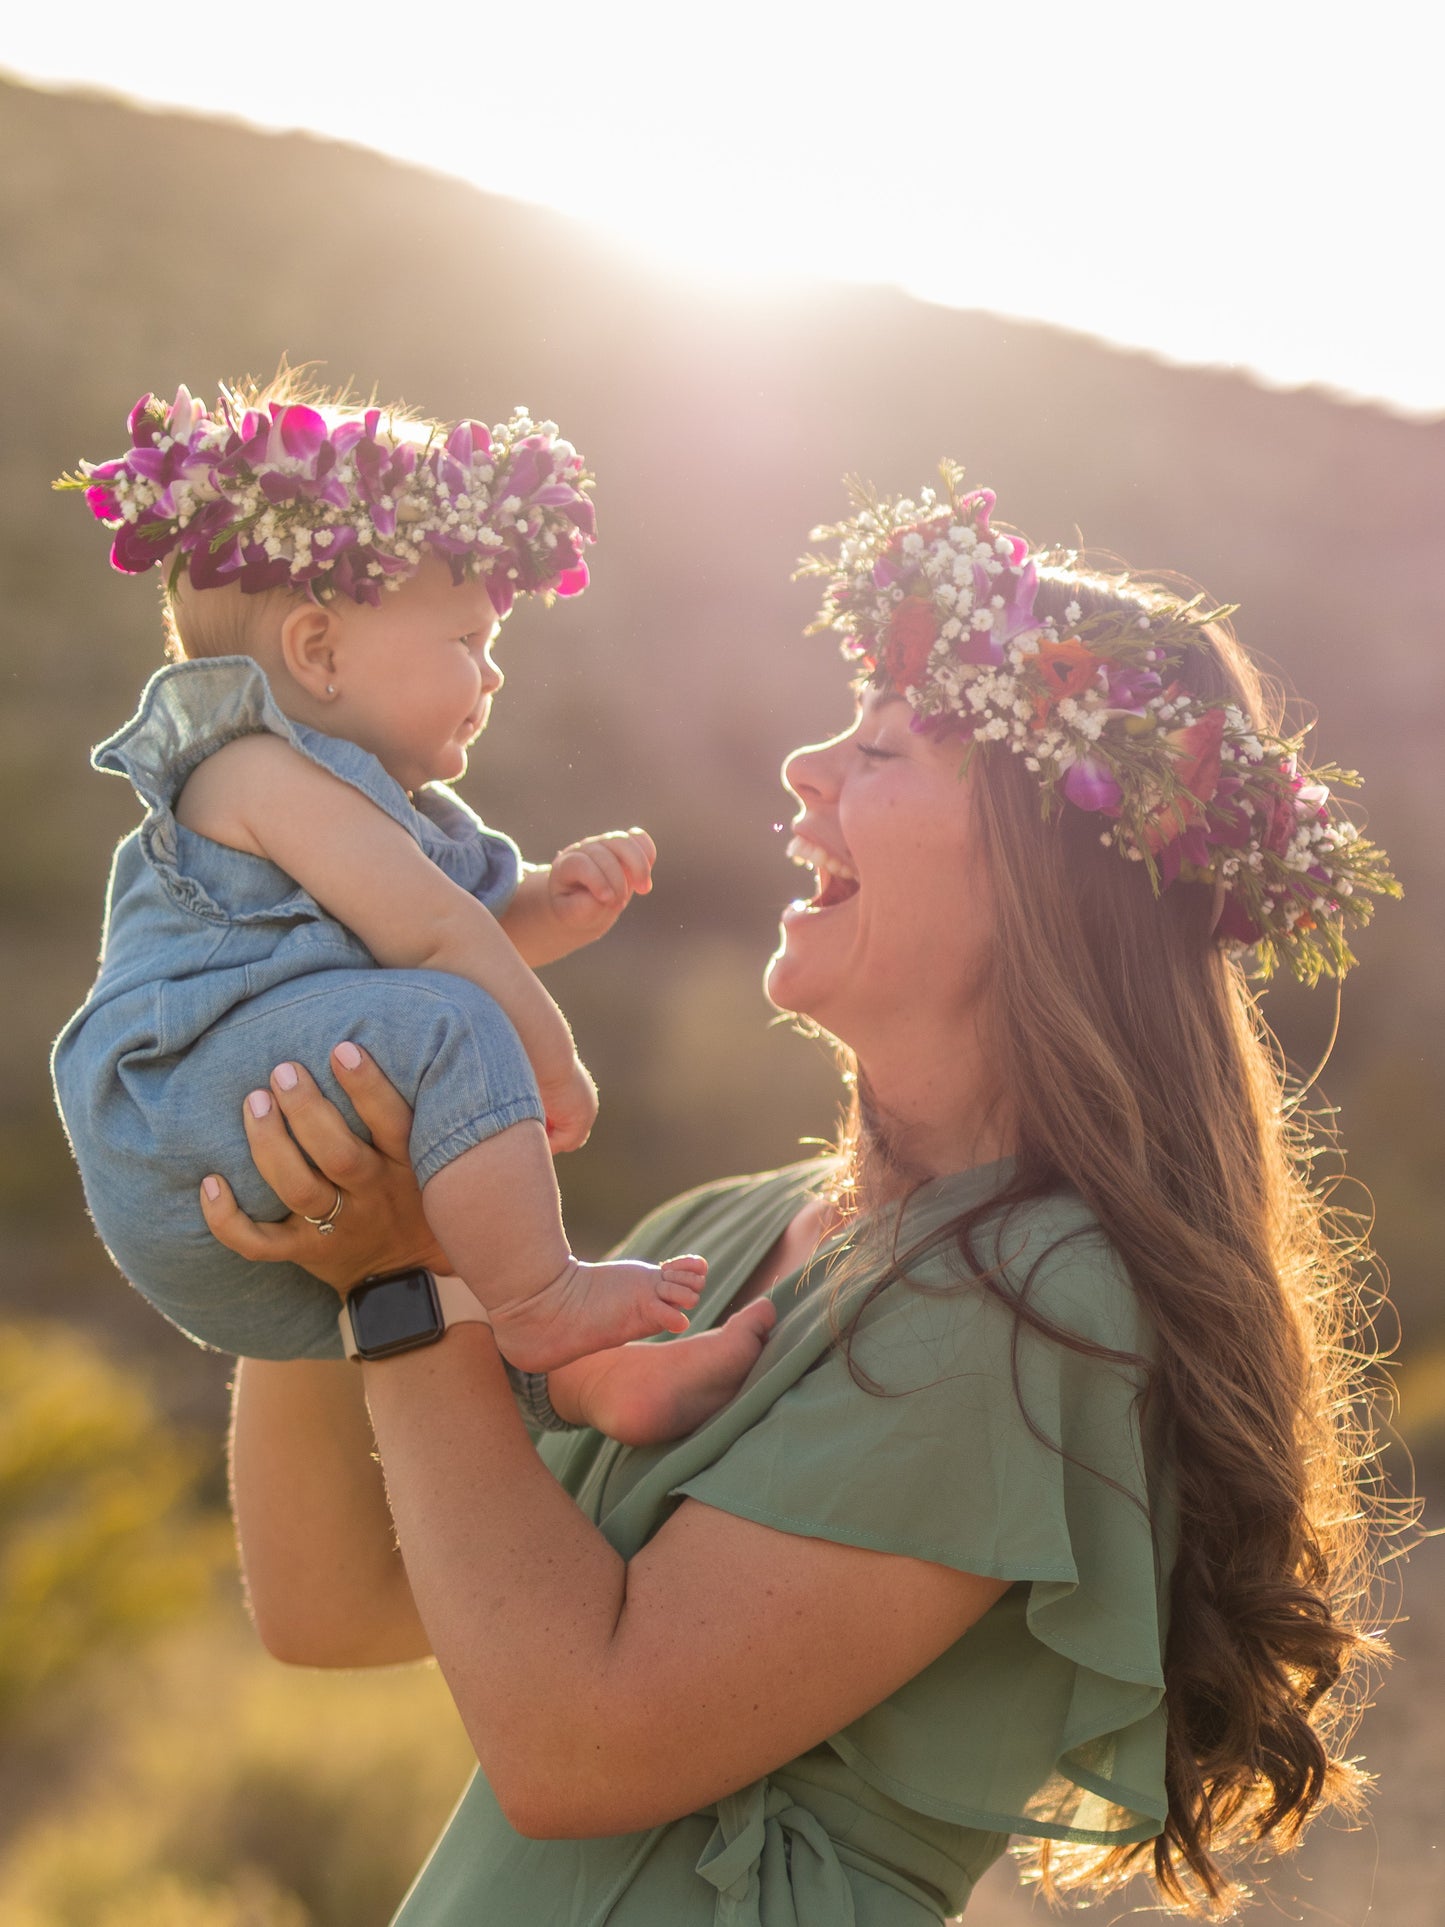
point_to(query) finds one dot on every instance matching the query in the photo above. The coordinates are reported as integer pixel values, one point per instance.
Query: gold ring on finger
(324, 1225)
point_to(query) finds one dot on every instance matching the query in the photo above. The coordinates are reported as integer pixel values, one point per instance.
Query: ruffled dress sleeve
(989, 1447)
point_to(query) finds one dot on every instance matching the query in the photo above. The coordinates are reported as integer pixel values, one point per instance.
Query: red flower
(1196, 769)
(912, 632)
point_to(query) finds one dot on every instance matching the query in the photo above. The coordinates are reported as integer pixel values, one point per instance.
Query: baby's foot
(642, 1394)
(590, 1308)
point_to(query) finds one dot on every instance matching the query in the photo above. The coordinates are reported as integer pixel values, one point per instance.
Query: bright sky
(1255, 181)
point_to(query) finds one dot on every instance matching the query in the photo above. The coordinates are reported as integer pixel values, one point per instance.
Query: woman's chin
(787, 989)
(777, 984)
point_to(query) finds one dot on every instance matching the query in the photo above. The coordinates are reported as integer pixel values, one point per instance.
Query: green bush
(225, 1790)
(102, 1540)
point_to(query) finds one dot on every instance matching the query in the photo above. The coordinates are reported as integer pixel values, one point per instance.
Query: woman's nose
(809, 772)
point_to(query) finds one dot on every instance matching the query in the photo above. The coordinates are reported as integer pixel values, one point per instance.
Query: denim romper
(214, 967)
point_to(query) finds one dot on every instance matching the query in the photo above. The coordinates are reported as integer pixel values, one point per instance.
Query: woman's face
(891, 944)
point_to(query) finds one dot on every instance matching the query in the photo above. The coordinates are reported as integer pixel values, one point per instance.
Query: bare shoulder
(221, 796)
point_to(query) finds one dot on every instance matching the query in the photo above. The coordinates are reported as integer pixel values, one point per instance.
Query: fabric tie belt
(770, 1860)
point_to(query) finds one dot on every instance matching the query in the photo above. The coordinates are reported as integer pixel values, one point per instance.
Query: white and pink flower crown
(925, 595)
(288, 496)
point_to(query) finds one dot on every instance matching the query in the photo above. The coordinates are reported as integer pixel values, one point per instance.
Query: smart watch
(398, 1311)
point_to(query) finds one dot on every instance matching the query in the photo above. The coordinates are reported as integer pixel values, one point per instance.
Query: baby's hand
(570, 1103)
(592, 882)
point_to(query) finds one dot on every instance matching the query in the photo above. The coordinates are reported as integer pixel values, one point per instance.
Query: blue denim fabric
(216, 966)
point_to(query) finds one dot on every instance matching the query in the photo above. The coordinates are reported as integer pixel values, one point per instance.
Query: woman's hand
(379, 1226)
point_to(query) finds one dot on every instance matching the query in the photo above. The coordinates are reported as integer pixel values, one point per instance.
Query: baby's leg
(642, 1394)
(496, 1213)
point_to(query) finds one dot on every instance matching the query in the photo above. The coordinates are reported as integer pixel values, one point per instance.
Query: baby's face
(415, 677)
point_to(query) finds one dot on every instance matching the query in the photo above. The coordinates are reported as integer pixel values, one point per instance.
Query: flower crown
(281, 496)
(926, 595)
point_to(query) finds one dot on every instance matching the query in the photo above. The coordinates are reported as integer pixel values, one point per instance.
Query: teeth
(812, 856)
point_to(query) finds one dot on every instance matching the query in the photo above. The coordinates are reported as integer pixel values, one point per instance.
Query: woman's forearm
(318, 1551)
(521, 1595)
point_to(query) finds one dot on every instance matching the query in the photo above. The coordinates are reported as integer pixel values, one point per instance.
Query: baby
(303, 875)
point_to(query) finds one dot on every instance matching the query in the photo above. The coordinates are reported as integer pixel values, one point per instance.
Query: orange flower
(1064, 669)
(912, 632)
(1196, 769)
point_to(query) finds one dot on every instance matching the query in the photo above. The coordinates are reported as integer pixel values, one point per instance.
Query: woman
(1052, 1417)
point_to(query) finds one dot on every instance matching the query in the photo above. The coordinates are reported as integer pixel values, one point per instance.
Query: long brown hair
(1141, 1075)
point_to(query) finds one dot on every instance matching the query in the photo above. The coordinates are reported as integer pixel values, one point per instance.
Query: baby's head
(410, 678)
(291, 493)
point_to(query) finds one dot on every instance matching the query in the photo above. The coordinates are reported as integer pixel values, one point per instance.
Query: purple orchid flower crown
(291, 495)
(925, 594)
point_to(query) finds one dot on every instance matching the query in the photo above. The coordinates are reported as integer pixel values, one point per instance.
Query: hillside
(145, 248)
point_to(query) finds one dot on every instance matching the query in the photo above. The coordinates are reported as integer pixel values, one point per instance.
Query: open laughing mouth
(834, 880)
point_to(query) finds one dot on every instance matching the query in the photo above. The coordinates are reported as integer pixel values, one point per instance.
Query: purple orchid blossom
(1090, 785)
(1132, 687)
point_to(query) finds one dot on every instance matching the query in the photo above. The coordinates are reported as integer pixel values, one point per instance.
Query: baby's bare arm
(578, 897)
(259, 795)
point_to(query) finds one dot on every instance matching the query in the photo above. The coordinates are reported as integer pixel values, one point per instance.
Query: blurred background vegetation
(155, 1769)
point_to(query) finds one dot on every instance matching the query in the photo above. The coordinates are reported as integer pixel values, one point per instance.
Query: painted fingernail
(348, 1056)
(259, 1103)
(212, 1188)
(285, 1076)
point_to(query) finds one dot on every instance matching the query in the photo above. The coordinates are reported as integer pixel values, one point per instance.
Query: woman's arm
(604, 1696)
(323, 1574)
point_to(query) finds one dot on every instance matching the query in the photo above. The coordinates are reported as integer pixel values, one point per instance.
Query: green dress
(1045, 1719)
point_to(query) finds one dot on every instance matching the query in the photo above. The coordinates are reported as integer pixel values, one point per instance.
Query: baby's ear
(310, 633)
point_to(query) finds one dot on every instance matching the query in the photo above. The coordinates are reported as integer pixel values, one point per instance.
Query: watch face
(395, 1313)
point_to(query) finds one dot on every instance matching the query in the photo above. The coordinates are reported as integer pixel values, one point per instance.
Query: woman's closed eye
(875, 752)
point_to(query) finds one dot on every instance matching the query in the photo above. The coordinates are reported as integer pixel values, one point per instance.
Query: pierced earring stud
(331, 689)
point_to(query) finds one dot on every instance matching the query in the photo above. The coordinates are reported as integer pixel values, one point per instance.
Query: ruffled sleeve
(992, 1449)
(187, 712)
